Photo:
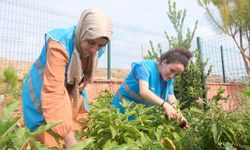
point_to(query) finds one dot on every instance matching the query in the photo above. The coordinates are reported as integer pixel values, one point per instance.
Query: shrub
(10, 76)
(112, 130)
(14, 137)
(217, 129)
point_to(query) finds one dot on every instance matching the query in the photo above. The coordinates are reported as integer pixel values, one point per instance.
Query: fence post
(109, 61)
(204, 93)
(222, 62)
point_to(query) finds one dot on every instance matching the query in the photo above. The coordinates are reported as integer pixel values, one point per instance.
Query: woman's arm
(172, 100)
(150, 96)
(55, 100)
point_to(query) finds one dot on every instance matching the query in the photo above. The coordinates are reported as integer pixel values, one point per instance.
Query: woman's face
(92, 46)
(171, 70)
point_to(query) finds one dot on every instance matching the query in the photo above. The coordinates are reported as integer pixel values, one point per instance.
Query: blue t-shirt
(140, 73)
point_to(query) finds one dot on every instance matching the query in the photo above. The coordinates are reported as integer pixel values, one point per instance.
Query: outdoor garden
(212, 126)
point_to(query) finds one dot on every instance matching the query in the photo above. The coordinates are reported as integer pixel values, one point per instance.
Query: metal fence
(223, 55)
(23, 25)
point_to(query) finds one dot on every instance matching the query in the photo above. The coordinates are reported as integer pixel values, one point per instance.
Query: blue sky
(148, 19)
(142, 14)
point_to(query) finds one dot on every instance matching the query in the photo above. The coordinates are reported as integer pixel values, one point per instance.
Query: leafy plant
(188, 86)
(10, 76)
(14, 137)
(147, 127)
(177, 18)
(218, 129)
(152, 53)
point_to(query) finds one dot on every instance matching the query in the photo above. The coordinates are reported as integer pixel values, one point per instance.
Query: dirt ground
(22, 68)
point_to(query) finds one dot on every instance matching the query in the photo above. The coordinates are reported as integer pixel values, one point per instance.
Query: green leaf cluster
(139, 128)
(10, 76)
(14, 137)
(188, 86)
(216, 128)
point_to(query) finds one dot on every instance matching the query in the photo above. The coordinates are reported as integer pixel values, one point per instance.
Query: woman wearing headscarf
(54, 89)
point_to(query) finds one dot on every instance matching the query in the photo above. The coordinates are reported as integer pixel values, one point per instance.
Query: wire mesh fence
(225, 59)
(23, 25)
(22, 29)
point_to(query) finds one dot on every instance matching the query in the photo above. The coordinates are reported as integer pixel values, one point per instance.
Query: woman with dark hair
(54, 89)
(151, 82)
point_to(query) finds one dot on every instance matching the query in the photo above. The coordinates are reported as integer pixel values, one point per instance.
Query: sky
(147, 15)
(145, 20)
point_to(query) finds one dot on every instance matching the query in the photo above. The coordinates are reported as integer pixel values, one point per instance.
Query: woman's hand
(169, 110)
(83, 84)
(181, 120)
(70, 140)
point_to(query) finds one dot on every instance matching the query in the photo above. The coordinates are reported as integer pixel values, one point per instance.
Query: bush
(10, 76)
(217, 129)
(112, 130)
(14, 137)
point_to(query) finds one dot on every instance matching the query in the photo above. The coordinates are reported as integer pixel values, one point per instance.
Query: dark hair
(176, 55)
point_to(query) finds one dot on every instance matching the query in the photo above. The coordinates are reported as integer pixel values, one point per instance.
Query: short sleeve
(171, 86)
(140, 72)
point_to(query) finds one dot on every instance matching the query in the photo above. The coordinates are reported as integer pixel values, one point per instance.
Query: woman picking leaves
(54, 88)
(151, 82)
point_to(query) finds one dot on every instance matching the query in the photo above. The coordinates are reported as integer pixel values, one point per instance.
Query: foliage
(152, 53)
(10, 76)
(233, 20)
(82, 145)
(246, 92)
(111, 129)
(14, 137)
(177, 19)
(188, 85)
(10, 86)
(218, 129)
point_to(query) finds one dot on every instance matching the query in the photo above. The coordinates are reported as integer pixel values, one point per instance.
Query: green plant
(111, 129)
(152, 53)
(188, 86)
(10, 76)
(14, 137)
(217, 129)
(177, 18)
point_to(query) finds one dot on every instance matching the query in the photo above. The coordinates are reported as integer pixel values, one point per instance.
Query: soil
(22, 68)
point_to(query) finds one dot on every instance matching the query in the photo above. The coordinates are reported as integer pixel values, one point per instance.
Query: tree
(152, 54)
(188, 85)
(233, 20)
(177, 19)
